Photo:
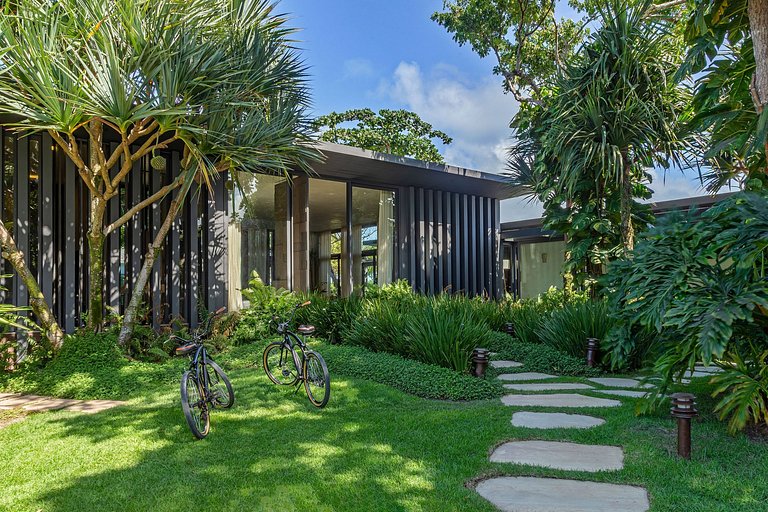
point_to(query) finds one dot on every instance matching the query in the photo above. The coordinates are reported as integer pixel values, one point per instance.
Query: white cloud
(357, 68)
(475, 113)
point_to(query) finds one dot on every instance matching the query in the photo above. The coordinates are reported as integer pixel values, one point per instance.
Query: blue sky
(365, 53)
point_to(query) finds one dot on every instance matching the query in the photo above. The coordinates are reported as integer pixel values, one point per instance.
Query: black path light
(683, 409)
(509, 328)
(592, 346)
(479, 361)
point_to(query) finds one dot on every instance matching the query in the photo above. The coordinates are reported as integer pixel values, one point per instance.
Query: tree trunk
(758, 27)
(129, 319)
(37, 301)
(757, 11)
(96, 264)
(627, 229)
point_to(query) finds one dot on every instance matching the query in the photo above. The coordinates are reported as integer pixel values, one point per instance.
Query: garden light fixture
(683, 409)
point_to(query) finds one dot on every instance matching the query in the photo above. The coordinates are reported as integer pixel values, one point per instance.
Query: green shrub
(88, 366)
(568, 328)
(537, 357)
(265, 302)
(444, 331)
(527, 317)
(331, 316)
(413, 377)
(380, 327)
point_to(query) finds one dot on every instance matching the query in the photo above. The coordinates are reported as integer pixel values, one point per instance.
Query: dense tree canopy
(398, 132)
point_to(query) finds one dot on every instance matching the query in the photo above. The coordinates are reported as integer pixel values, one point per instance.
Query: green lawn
(372, 448)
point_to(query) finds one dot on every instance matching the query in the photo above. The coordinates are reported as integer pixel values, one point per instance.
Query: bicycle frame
(198, 363)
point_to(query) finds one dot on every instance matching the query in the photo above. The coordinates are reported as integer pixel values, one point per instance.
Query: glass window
(327, 234)
(373, 237)
(258, 232)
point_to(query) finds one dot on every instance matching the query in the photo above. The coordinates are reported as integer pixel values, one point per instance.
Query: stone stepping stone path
(519, 377)
(558, 455)
(35, 403)
(529, 494)
(558, 400)
(622, 392)
(616, 382)
(707, 369)
(545, 420)
(553, 386)
(506, 364)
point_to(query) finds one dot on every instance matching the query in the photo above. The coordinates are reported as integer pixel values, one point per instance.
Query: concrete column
(301, 234)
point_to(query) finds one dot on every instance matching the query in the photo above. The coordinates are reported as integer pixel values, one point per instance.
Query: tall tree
(398, 132)
(150, 74)
(525, 38)
(614, 113)
(728, 58)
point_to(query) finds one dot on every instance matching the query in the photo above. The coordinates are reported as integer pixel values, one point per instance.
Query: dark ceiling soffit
(350, 163)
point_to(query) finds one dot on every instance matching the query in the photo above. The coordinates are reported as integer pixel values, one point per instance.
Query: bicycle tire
(218, 382)
(194, 406)
(316, 379)
(287, 373)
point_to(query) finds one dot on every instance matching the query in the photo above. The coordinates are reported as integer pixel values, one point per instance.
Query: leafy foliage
(614, 112)
(397, 132)
(697, 281)
(721, 58)
(413, 377)
(744, 386)
(567, 329)
(538, 358)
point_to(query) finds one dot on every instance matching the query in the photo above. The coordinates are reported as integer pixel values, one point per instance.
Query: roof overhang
(375, 168)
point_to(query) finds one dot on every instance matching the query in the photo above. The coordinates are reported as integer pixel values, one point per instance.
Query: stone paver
(558, 400)
(700, 374)
(622, 392)
(708, 369)
(514, 377)
(506, 364)
(93, 406)
(547, 386)
(559, 455)
(19, 401)
(50, 404)
(3, 396)
(616, 382)
(528, 494)
(554, 420)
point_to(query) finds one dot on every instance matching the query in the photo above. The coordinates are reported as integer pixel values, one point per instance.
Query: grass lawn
(373, 448)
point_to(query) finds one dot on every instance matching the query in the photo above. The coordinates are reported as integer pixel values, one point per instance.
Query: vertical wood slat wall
(449, 242)
(61, 218)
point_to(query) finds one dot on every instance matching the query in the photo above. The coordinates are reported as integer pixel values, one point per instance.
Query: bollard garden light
(592, 345)
(683, 409)
(509, 328)
(479, 361)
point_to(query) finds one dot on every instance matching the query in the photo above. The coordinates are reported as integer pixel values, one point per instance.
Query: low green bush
(265, 302)
(567, 329)
(90, 366)
(537, 357)
(527, 317)
(413, 377)
(331, 316)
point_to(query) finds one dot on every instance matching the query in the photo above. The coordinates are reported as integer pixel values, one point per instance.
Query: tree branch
(657, 8)
(160, 194)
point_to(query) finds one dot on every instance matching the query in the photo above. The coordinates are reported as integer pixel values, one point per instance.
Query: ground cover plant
(373, 448)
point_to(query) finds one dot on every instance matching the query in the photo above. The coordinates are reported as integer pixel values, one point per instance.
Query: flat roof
(533, 228)
(376, 168)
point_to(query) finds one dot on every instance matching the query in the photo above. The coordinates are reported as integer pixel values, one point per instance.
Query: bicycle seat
(306, 329)
(185, 349)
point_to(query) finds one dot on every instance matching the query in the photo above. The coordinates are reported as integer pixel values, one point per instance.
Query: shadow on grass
(372, 448)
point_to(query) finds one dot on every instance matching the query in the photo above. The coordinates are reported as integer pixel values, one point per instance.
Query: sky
(365, 53)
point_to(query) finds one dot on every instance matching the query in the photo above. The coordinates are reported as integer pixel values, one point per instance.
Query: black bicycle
(291, 362)
(204, 386)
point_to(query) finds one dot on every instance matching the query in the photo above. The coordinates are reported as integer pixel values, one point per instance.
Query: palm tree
(617, 111)
(220, 77)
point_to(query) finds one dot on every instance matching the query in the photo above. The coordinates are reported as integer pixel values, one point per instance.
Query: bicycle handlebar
(282, 325)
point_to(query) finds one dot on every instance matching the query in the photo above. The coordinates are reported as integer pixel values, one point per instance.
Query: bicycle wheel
(220, 387)
(279, 365)
(194, 406)
(317, 380)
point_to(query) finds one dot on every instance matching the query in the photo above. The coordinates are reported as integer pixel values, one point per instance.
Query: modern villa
(359, 218)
